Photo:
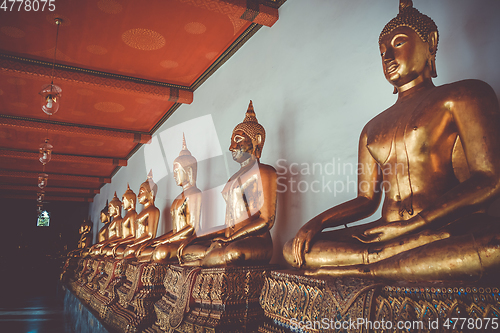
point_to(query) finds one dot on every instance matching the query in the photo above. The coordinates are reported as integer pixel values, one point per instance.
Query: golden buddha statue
(250, 196)
(147, 221)
(85, 240)
(102, 235)
(85, 234)
(435, 155)
(103, 232)
(126, 225)
(114, 211)
(185, 211)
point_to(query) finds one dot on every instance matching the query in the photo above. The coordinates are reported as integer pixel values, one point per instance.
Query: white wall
(315, 79)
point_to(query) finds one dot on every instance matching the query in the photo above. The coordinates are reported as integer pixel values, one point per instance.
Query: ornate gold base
(133, 310)
(112, 278)
(86, 290)
(293, 301)
(296, 303)
(69, 268)
(433, 307)
(211, 299)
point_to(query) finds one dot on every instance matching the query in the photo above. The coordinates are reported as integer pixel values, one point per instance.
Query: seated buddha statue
(146, 222)
(185, 211)
(102, 235)
(85, 240)
(85, 234)
(126, 226)
(250, 196)
(435, 155)
(114, 211)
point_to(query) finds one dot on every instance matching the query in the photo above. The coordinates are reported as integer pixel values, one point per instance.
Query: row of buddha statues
(250, 195)
(433, 226)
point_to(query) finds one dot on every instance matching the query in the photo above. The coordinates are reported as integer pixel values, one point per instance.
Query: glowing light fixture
(52, 93)
(43, 178)
(40, 196)
(45, 152)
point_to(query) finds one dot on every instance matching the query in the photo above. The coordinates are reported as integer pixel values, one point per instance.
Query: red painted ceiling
(124, 67)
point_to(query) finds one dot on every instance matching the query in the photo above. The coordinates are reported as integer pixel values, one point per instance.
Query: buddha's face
(145, 195)
(180, 175)
(126, 202)
(404, 56)
(113, 210)
(104, 217)
(241, 146)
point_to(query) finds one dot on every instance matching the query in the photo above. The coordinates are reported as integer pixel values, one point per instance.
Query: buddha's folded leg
(250, 250)
(165, 253)
(463, 258)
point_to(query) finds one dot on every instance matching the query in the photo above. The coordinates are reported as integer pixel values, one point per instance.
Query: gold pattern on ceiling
(143, 39)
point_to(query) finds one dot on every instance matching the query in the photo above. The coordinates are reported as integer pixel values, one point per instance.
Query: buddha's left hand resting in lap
(250, 196)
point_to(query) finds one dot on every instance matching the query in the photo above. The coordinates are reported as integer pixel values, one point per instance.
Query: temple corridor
(28, 307)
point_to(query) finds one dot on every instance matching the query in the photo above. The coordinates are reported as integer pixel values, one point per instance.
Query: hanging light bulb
(45, 152)
(42, 180)
(50, 92)
(40, 196)
(50, 98)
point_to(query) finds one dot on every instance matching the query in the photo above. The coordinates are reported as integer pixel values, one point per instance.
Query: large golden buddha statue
(185, 211)
(146, 222)
(435, 155)
(250, 196)
(127, 225)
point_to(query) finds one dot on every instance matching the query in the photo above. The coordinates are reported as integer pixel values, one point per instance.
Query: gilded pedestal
(87, 289)
(69, 268)
(211, 299)
(112, 278)
(143, 287)
(82, 272)
(432, 308)
(295, 302)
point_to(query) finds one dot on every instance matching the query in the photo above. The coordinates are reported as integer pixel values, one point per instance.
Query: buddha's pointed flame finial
(184, 151)
(405, 4)
(250, 114)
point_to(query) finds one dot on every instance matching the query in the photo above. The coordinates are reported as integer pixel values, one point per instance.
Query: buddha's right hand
(302, 241)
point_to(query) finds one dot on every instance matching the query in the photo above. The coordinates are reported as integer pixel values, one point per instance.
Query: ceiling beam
(62, 128)
(48, 189)
(25, 67)
(249, 10)
(47, 198)
(28, 155)
(55, 176)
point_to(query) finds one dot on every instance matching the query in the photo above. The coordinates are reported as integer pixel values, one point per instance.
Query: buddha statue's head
(129, 199)
(105, 214)
(147, 190)
(185, 167)
(115, 206)
(248, 137)
(408, 45)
